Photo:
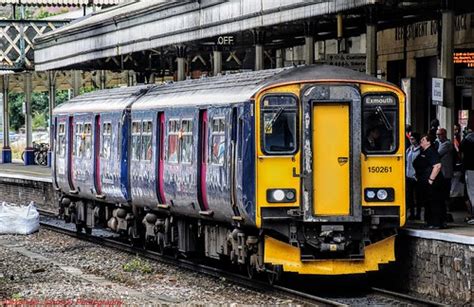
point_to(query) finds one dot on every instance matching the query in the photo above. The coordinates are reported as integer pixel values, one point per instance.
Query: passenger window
(79, 143)
(147, 150)
(173, 133)
(87, 138)
(106, 140)
(218, 141)
(379, 124)
(61, 144)
(136, 127)
(186, 141)
(279, 124)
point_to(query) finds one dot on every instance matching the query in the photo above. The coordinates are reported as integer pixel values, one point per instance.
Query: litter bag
(18, 219)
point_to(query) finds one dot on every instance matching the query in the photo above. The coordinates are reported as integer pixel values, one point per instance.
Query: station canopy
(140, 31)
(63, 2)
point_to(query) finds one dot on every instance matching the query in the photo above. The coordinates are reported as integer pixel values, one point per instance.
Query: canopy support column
(6, 150)
(29, 156)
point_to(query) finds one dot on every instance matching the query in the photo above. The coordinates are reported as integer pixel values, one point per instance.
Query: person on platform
(467, 151)
(412, 192)
(447, 155)
(434, 124)
(430, 178)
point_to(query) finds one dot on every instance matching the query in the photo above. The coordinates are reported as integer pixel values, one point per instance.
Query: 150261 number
(380, 169)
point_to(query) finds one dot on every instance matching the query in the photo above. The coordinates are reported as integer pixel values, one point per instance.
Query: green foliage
(39, 108)
(137, 265)
(16, 296)
(39, 121)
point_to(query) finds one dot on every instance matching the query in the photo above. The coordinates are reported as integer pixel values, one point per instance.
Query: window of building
(186, 144)
(218, 141)
(173, 135)
(136, 127)
(147, 150)
(106, 140)
(61, 143)
(279, 119)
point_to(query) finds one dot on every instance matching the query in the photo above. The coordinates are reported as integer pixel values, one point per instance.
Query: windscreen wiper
(274, 119)
(384, 118)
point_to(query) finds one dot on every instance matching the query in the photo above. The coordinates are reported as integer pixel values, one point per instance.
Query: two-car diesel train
(296, 169)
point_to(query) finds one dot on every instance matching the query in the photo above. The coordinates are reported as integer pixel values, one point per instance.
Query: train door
(331, 159)
(331, 163)
(69, 154)
(60, 161)
(160, 141)
(202, 160)
(234, 162)
(97, 142)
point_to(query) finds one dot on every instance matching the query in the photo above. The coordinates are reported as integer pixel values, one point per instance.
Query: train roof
(219, 90)
(109, 100)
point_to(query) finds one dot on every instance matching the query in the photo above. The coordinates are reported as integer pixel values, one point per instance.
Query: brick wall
(22, 191)
(432, 268)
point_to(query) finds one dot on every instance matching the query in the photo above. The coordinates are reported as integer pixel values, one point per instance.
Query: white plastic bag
(18, 219)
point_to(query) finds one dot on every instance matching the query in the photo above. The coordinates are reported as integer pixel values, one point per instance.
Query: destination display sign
(464, 58)
(380, 100)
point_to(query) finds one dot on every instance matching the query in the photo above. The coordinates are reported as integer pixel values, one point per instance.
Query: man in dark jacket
(467, 150)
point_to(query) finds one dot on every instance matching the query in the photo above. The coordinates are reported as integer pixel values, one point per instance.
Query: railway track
(105, 238)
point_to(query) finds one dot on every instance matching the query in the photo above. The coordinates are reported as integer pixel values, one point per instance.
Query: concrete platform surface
(18, 170)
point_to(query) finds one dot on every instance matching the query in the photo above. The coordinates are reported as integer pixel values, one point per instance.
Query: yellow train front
(330, 173)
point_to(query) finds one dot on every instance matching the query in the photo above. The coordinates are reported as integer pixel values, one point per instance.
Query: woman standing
(428, 175)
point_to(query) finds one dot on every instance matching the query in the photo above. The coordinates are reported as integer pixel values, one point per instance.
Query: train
(296, 169)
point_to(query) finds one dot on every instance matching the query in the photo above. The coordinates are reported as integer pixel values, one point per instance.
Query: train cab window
(79, 142)
(147, 150)
(186, 142)
(106, 140)
(279, 119)
(61, 143)
(136, 129)
(218, 141)
(173, 133)
(379, 124)
(87, 139)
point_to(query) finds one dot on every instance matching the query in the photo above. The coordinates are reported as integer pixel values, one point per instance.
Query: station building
(407, 42)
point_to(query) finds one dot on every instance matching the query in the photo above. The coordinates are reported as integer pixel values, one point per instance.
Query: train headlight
(281, 195)
(379, 194)
(370, 194)
(278, 195)
(290, 195)
(382, 194)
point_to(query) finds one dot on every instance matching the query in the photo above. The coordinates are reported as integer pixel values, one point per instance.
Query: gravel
(49, 266)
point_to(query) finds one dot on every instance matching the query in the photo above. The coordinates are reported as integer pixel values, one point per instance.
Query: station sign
(225, 40)
(464, 80)
(354, 61)
(464, 58)
(437, 91)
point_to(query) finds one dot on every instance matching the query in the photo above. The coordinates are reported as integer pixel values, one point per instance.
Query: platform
(18, 170)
